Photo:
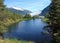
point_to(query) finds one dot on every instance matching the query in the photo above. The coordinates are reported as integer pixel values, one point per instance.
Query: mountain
(19, 10)
(45, 11)
(24, 11)
(41, 13)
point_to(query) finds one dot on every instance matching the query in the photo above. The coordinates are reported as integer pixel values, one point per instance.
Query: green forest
(53, 19)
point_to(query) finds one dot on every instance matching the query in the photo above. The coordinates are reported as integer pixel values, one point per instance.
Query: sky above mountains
(32, 5)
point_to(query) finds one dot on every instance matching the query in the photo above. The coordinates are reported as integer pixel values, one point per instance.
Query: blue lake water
(30, 30)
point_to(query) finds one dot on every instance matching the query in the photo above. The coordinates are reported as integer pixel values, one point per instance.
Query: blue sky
(33, 5)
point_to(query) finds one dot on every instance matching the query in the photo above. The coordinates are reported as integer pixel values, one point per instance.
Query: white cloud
(18, 8)
(35, 13)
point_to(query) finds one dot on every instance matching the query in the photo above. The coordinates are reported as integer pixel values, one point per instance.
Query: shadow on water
(30, 30)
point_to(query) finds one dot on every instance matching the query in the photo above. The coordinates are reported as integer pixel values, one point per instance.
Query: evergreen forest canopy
(53, 17)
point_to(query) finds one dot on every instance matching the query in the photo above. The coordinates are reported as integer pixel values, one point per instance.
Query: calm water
(28, 30)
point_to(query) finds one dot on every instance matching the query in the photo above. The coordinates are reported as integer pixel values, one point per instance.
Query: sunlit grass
(45, 19)
(14, 41)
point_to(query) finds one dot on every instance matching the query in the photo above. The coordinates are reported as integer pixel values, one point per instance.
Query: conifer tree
(54, 20)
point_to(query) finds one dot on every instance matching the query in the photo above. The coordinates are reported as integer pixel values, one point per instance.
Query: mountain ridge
(19, 10)
(24, 11)
(45, 11)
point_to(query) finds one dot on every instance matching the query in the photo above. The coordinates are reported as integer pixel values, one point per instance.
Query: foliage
(27, 16)
(54, 20)
(35, 17)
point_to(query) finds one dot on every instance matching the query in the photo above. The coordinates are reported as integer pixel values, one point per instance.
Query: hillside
(19, 11)
(44, 11)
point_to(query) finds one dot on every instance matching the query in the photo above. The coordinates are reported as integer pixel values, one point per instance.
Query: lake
(30, 30)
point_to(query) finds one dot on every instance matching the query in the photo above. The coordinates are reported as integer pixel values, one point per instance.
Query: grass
(45, 19)
(14, 41)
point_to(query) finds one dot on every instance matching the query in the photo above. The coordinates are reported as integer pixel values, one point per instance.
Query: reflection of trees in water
(46, 35)
(10, 28)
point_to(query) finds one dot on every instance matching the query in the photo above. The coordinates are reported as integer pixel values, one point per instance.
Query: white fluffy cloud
(35, 13)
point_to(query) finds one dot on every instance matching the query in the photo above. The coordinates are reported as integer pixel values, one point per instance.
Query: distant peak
(18, 8)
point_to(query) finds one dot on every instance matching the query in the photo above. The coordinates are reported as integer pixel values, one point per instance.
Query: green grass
(14, 41)
(45, 19)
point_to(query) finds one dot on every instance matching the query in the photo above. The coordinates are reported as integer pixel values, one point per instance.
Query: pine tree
(28, 16)
(54, 20)
(2, 6)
